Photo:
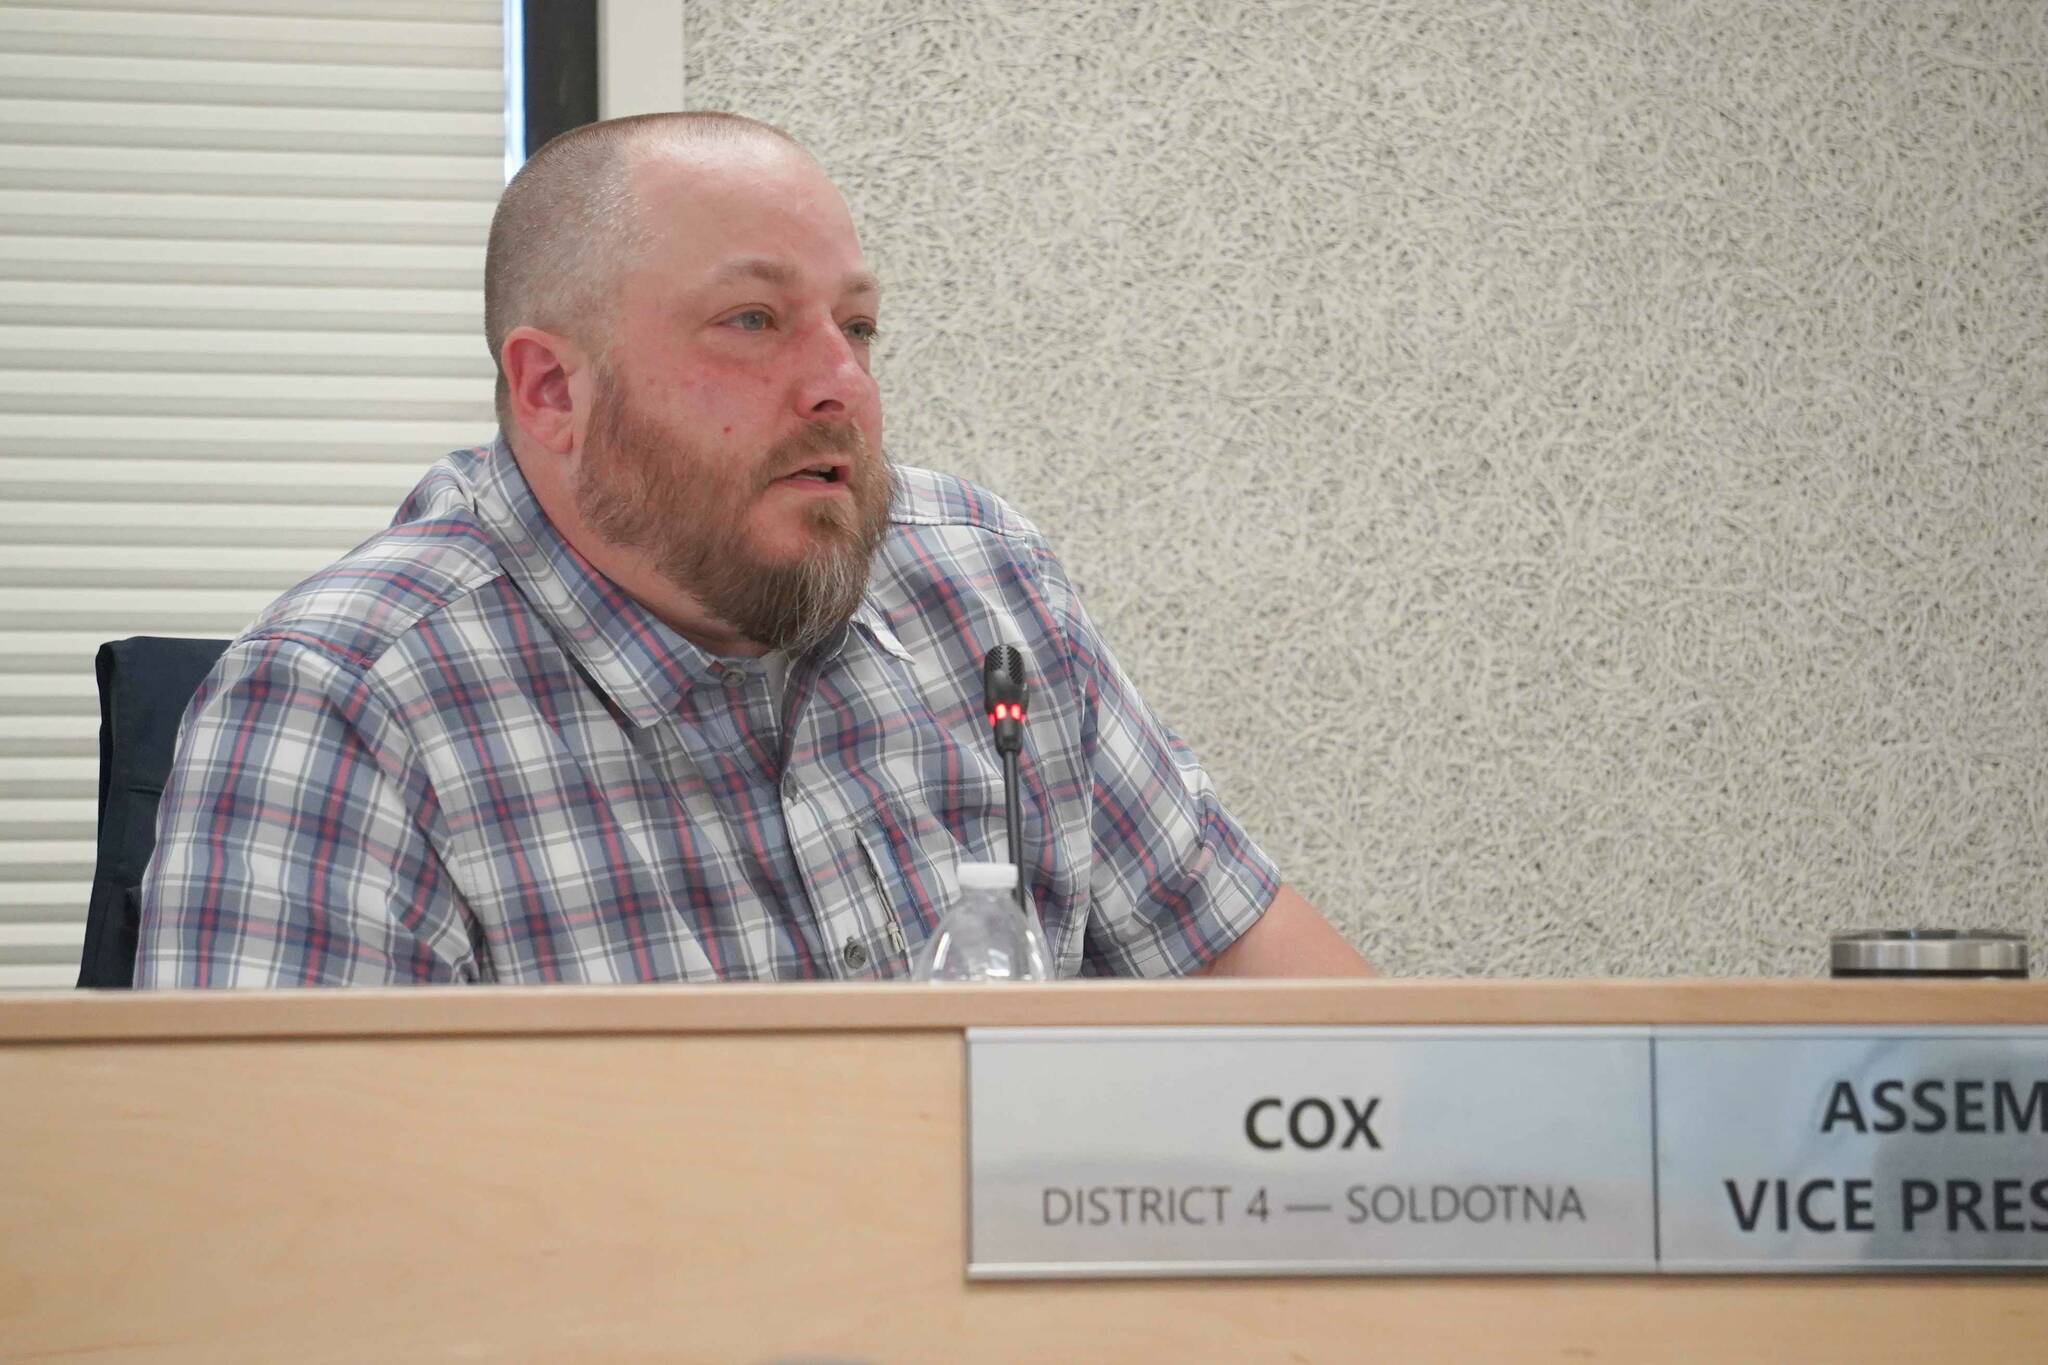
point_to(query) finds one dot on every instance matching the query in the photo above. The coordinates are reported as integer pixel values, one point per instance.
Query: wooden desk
(757, 1173)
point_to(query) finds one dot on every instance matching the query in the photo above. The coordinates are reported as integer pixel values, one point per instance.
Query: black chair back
(145, 684)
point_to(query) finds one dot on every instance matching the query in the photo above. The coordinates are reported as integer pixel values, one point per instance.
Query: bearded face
(647, 485)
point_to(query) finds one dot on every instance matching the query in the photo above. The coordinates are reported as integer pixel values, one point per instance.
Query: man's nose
(833, 382)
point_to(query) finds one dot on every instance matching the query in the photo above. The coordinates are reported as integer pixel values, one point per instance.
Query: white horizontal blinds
(241, 258)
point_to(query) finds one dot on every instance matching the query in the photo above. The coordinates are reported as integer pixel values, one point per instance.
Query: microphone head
(1002, 676)
(1002, 685)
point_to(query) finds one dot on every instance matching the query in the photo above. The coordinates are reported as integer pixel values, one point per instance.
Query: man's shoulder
(436, 552)
(929, 498)
(952, 540)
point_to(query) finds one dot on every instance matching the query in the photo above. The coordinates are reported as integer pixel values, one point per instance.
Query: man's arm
(1173, 873)
(1290, 939)
(286, 855)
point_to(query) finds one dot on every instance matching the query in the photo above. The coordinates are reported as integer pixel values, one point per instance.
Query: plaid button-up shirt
(462, 754)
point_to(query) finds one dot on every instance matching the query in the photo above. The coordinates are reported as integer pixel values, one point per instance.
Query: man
(679, 679)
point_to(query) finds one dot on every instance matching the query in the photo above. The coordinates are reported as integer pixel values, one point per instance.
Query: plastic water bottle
(986, 936)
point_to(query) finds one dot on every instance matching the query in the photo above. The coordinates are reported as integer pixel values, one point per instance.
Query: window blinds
(241, 263)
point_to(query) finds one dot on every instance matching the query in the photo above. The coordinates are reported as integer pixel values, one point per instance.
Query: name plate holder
(1121, 1152)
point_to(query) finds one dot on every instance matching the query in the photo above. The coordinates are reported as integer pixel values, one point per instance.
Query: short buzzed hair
(567, 227)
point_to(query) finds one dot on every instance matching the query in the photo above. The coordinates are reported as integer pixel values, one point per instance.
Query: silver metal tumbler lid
(1929, 952)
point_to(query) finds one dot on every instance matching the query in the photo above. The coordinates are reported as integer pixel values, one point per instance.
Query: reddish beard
(650, 489)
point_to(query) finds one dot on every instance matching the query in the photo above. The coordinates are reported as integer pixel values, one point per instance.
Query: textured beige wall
(1575, 471)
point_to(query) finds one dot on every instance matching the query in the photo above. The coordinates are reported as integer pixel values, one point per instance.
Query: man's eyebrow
(782, 277)
(754, 268)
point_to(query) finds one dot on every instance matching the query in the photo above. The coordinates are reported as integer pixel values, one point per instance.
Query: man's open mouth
(818, 473)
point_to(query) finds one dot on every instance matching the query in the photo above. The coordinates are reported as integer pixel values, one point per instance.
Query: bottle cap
(988, 876)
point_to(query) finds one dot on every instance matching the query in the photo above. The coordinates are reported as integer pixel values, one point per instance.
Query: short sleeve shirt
(463, 754)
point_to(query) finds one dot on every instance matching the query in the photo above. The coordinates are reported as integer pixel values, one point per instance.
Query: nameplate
(1853, 1150)
(1387, 1151)
(1307, 1151)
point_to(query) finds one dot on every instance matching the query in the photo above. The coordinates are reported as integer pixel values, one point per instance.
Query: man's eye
(753, 320)
(863, 332)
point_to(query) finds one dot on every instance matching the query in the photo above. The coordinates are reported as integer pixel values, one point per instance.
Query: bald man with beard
(678, 679)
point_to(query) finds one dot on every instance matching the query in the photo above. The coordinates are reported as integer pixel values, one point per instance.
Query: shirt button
(855, 954)
(735, 679)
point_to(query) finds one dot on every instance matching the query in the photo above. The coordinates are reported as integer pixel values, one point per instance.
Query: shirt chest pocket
(909, 876)
(913, 876)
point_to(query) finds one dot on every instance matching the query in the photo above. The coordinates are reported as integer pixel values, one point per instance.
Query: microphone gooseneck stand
(1002, 685)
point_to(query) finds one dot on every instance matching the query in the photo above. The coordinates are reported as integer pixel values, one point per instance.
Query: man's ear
(543, 374)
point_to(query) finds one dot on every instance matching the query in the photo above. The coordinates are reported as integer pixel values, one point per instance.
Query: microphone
(1002, 686)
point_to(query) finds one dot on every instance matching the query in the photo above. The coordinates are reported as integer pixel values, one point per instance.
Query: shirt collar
(642, 665)
(869, 617)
